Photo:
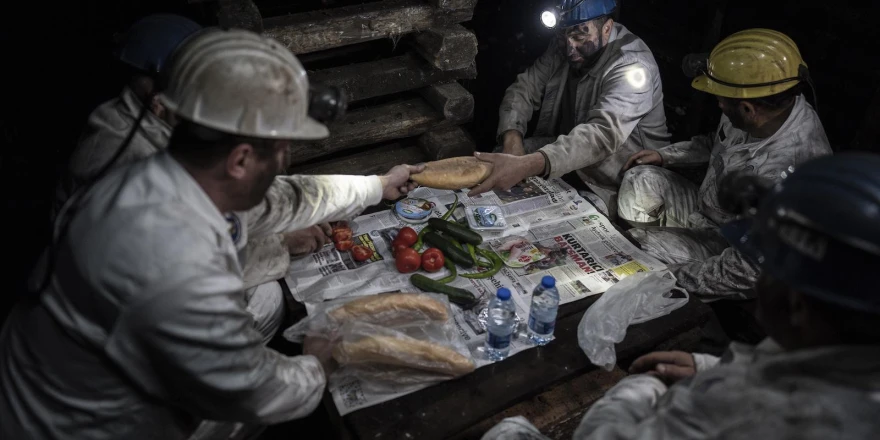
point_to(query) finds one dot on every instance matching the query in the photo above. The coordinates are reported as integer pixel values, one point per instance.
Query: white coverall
(759, 392)
(263, 256)
(619, 111)
(143, 331)
(701, 259)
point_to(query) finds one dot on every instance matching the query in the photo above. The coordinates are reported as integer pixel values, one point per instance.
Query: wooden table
(450, 408)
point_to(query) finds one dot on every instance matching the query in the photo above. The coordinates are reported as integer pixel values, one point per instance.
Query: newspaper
(581, 250)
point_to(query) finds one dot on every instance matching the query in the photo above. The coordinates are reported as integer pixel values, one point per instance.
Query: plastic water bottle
(501, 323)
(542, 313)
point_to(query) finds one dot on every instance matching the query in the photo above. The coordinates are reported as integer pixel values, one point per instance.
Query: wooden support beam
(387, 76)
(324, 29)
(456, 103)
(447, 48)
(447, 142)
(240, 14)
(371, 161)
(372, 125)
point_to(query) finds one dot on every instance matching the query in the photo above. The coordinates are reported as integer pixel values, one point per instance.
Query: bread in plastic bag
(635, 299)
(400, 350)
(387, 309)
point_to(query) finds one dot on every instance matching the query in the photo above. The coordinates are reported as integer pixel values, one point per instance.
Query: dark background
(57, 67)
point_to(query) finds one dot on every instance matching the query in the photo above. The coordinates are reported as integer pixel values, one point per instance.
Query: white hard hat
(238, 82)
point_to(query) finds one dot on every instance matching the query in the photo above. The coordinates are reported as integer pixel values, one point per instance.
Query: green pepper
(418, 243)
(451, 266)
(454, 205)
(496, 266)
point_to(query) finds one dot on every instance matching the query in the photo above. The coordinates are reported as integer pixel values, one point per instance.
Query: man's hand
(668, 366)
(508, 170)
(322, 349)
(396, 183)
(307, 241)
(513, 143)
(644, 157)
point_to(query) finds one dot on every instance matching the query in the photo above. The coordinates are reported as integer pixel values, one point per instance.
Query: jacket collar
(191, 193)
(157, 131)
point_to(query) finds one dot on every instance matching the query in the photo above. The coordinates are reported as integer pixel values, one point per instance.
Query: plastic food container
(414, 210)
(486, 218)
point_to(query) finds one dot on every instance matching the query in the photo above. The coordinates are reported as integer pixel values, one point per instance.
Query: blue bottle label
(499, 342)
(541, 328)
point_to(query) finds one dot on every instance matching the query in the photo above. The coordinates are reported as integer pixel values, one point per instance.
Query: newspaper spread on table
(581, 250)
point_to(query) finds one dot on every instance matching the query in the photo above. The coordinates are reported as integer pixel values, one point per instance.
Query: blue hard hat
(818, 230)
(575, 12)
(150, 41)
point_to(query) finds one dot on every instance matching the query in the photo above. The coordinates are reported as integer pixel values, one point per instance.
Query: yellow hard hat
(752, 64)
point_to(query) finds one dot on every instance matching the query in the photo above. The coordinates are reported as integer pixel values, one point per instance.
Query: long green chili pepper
(454, 205)
(472, 250)
(418, 243)
(496, 266)
(451, 266)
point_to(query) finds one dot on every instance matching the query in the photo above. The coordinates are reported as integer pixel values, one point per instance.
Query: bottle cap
(548, 281)
(503, 294)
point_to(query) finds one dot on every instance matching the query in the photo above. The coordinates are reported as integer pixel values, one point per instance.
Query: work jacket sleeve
(729, 275)
(525, 95)
(626, 97)
(688, 153)
(297, 202)
(267, 260)
(190, 342)
(618, 414)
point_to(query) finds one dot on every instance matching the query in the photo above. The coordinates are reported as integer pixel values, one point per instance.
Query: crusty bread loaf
(454, 173)
(404, 352)
(391, 308)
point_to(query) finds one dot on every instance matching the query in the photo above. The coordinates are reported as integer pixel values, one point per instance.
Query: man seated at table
(767, 128)
(817, 376)
(142, 331)
(144, 50)
(600, 97)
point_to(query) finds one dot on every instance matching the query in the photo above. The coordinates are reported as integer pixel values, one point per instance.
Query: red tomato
(342, 235)
(432, 260)
(396, 246)
(407, 236)
(361, 253)
(341, 226)
(344, 245)
(407, 260)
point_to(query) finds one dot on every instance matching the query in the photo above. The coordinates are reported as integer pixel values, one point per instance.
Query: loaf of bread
(454, 173)
(404, 352)
(391, 309)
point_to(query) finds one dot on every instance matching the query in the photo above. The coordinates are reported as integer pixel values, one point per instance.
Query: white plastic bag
(635, 299)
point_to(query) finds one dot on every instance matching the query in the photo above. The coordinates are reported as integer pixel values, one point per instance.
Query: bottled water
(501, 323)
(542, 313)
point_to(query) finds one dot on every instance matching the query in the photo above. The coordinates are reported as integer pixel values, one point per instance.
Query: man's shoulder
(629, 49)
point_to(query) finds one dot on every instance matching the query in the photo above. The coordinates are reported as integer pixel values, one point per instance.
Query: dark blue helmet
(150, 41)
(818, 230)
(574, 12)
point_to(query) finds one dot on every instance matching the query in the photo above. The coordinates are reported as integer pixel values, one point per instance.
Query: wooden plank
(372, 125)
(451, 407)
(387, 76)
(318, 30)
(447, 48)
(454, 4)
(447, 142)
(368, 162)
(240, 14)
(451, 99)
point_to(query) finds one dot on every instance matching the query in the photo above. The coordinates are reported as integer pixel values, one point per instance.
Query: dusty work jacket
(264, 257)
(757, 392)
(619, 110)
(798, 140)
(143, 331)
